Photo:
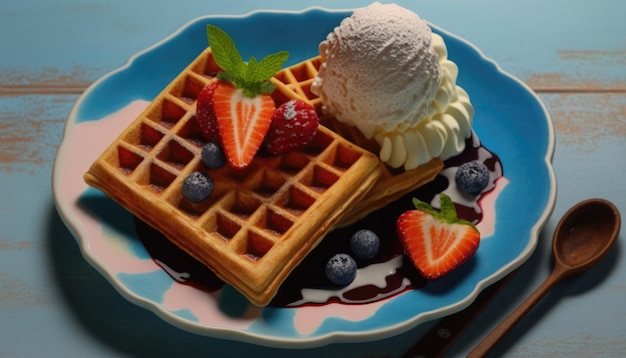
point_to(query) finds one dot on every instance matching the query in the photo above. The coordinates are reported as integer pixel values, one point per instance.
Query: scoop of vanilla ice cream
(379, 69)
(386, 73)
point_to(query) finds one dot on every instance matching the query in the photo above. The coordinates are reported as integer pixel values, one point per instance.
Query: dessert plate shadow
(510, 120)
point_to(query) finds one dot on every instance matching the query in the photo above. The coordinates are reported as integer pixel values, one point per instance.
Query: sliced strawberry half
(437, 242)
(242, 122)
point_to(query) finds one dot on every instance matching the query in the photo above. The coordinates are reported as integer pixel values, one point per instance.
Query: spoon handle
(505, 326)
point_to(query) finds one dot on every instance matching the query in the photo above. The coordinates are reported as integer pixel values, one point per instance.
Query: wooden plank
(31, 127)
(570, 51)
(585, 124)
(585, 121)
(566, 45)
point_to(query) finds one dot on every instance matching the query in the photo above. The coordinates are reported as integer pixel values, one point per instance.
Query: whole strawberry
(236, 111)
(205, 114)
(437, 242)
(293, 126)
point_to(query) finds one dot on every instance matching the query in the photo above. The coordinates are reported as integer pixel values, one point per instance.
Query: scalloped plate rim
(303, 342)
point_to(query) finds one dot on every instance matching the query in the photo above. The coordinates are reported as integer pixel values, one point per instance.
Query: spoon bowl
(586, 232)
(582, 237)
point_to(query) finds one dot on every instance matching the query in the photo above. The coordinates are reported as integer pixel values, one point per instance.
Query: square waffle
(258, 223)
(295, 82)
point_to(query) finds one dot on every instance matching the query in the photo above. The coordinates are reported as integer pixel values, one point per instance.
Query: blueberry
(197, 186)
(341, 269)
(472, 177)
(213, 156)
(364, 244)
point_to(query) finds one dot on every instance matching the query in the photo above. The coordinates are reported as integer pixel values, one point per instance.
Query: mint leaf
(225, 76)
(269, 65)
(251, 77)
(267, 87)
(253, 66)
(224, 50)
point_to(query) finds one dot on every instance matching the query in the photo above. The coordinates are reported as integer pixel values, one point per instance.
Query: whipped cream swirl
(441, 132)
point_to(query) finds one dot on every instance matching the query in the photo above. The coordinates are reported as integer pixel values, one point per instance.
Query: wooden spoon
(582, 237)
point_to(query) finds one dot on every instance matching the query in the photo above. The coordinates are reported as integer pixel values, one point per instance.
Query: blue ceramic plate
(509, 119)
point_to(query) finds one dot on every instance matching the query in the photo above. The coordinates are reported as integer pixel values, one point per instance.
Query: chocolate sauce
(309, 275)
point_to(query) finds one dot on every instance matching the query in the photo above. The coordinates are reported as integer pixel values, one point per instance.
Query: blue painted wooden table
(52, 303)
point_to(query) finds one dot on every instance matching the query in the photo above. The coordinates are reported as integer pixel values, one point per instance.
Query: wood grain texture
(75, 43)
(30, 130)
(571, 52)
(585, 121)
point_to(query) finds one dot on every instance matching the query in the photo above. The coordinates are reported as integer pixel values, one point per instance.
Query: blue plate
(509, 119)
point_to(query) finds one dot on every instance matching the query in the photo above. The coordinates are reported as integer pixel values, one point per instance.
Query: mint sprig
(251, 77)
(447, 212)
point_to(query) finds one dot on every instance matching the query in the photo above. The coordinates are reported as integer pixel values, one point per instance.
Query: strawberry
(436, 242)
(294, 125)
(242, 122)
(205, 114)
(236, 111)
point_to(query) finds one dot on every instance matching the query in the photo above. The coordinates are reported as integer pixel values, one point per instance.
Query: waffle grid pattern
(258, 223)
